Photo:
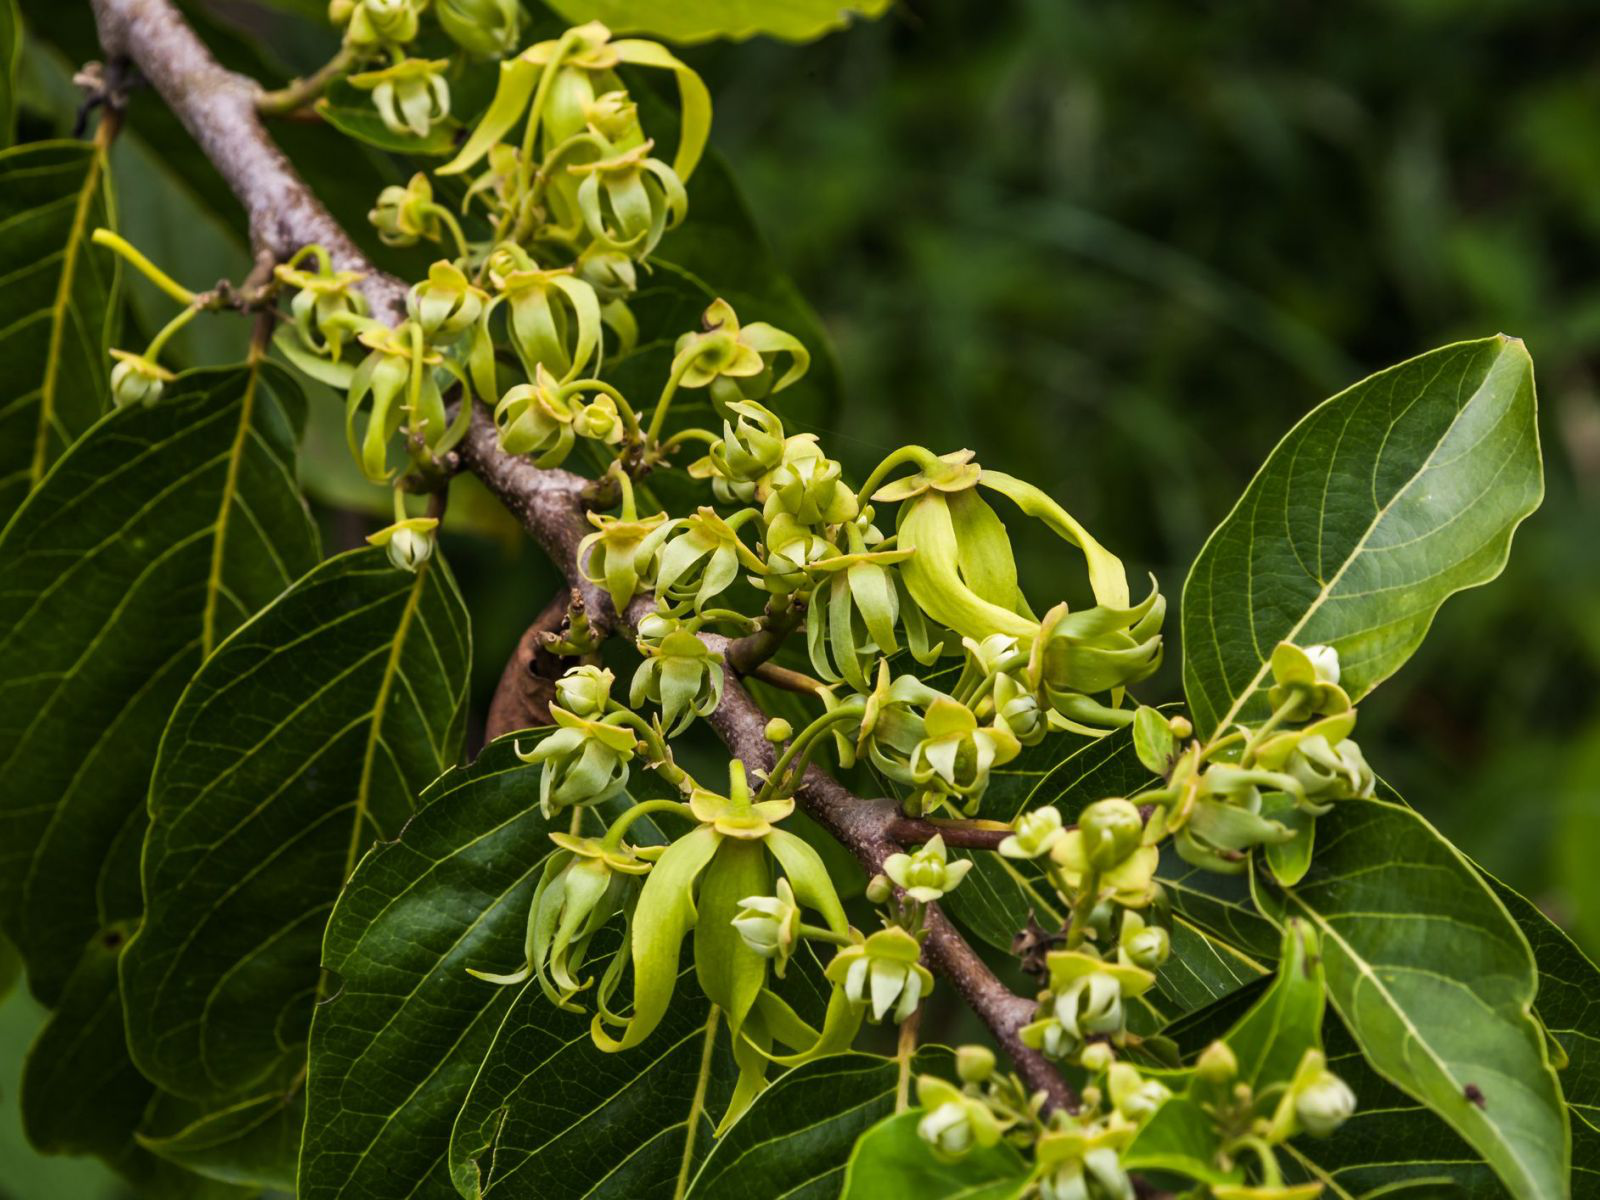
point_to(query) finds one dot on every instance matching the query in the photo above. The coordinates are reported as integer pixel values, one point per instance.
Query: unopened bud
(974, 1064)
(1112, 830)
(778, 730)
(1217, 1064)
(1097, 1056)
(879, 889)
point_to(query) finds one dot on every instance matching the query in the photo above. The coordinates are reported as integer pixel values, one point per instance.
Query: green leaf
(1569, 986)
(251, 1142)
(156, 534)
(1376, 508)
(797, 1137)
(638, 1124)
(1436, 984)
(891, 1160)
(80, 1094)
(405, 1024)
(57, 308)
(303, 738)
(705, 20)
(349, 110)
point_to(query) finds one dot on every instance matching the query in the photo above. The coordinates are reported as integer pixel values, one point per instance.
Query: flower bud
(683, 675)
(584, 691)
(1324, 1105)
(974, 1064)
(926, 875)
(1181, 726)
(1091, 1004)
(947, 1129)
(808, 486)
(599, 421)
(409, 542)
(487, 28)
(770, 925)
(137, 380)
(1217, 1064)
(879, 889)
(1306, 682)
(583, 762)
(1097, 1056)
(1134, 1096)
(403, 216)
(376, 22)
(778, 730)
(955, 1121)
(1112, 830)
(1036, 833)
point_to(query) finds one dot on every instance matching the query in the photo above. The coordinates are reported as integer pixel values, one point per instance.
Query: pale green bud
(974, 1064)
(1217, 1064)
(778, 730)
(1112, 830)
(584, 691)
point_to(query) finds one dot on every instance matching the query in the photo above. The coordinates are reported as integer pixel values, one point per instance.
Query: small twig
(294, 96)
(965, 835)
(781, 677)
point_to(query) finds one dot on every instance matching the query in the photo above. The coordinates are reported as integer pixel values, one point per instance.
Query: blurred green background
(1119, 248)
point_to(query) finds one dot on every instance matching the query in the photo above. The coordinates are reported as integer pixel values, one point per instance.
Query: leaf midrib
(58, 311)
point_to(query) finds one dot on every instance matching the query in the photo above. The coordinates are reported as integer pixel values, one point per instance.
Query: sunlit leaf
(706, 20)
(1436, 984)
(1374, 510)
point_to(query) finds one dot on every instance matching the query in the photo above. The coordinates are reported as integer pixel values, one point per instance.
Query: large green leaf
(1569, 988)
(1378, 506)
(80, 1094)
(57, 307)
(405, 1026)
(153, 537)
(304, 737)
(797, 1137)
(705, 20)
(1436, 983)
(892, 1160)
(551, 1117)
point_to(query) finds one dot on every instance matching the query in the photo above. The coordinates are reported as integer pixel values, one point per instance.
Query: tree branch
(220, 110)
